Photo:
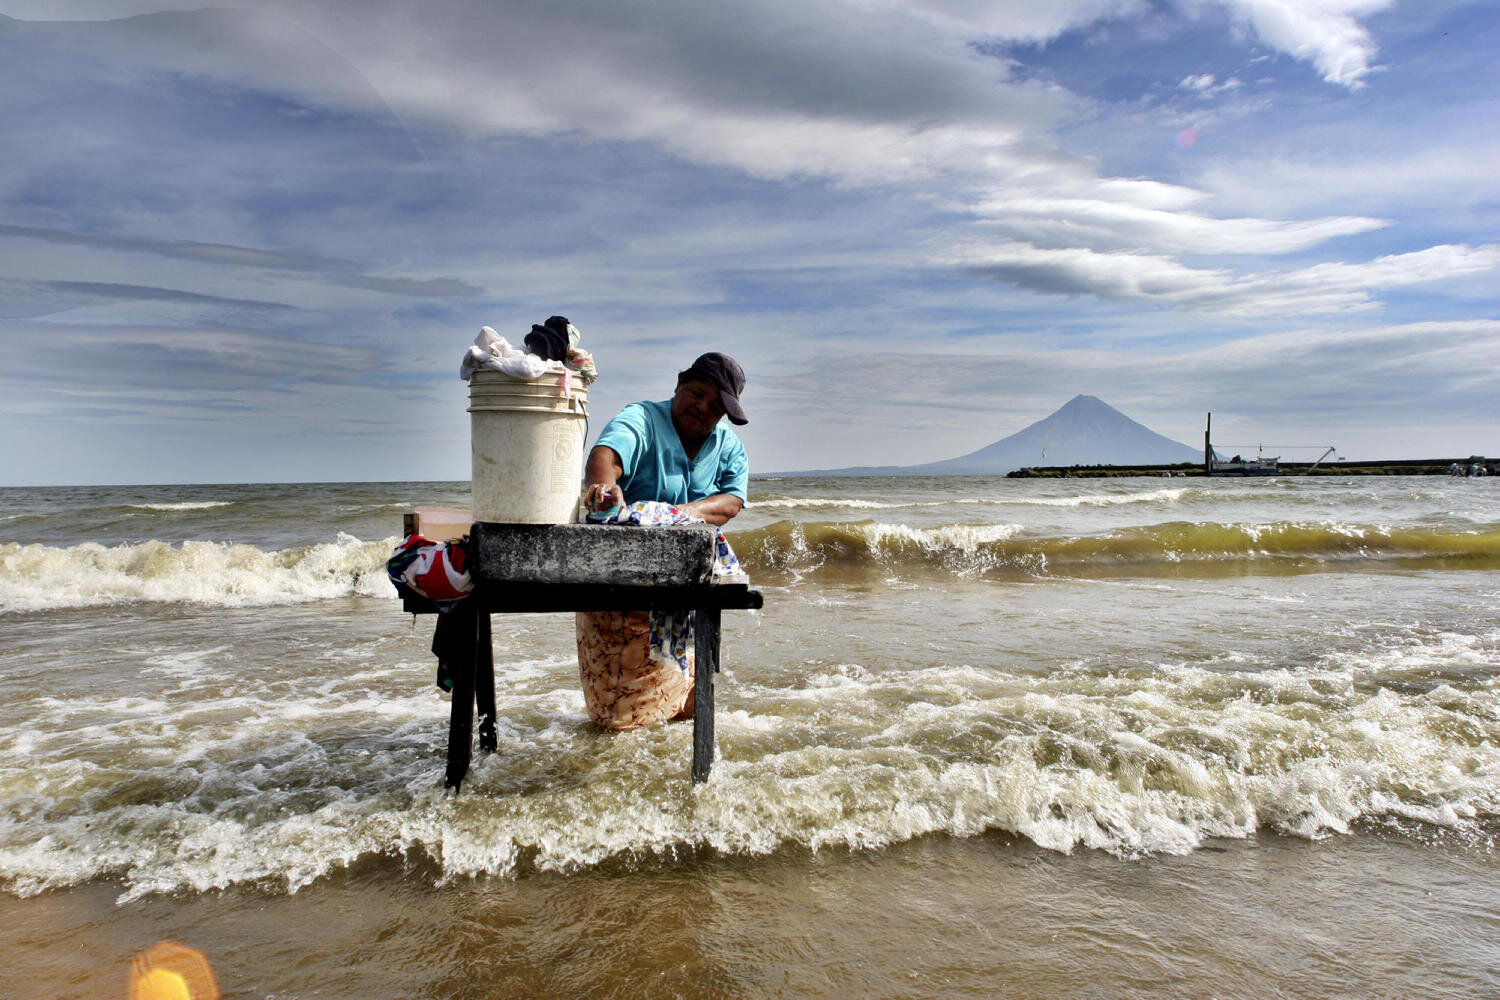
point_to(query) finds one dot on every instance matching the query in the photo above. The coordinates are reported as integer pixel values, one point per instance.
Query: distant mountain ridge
(1084, 431)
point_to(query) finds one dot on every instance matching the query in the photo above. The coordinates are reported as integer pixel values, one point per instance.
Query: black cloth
(448, 643)
(549, 341)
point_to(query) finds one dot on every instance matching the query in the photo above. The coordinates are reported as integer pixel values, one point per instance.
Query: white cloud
(1411, 176)
(1208, 85)
(857, 92)
(809, 147)
(1138, 277)
(1017, 20)
(1326, 33)
(1103, 224)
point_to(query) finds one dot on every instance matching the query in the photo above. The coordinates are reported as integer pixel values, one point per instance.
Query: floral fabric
(637, 666)
(625, 684)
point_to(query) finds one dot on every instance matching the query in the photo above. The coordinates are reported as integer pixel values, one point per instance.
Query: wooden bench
(527, 568)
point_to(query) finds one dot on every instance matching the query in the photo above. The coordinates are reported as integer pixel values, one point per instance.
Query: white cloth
(493, 352)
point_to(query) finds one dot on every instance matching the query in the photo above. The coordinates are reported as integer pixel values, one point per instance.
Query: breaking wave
(182, 505)
(42, 577)
(1164, 496)
(199, 791)
(1177, 547)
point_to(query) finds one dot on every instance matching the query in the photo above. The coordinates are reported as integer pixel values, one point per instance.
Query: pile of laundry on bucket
(550, 348)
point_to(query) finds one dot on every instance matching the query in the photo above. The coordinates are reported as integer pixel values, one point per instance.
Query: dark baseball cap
(724, 372)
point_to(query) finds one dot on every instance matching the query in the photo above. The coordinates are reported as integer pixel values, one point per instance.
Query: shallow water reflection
(1373, 915)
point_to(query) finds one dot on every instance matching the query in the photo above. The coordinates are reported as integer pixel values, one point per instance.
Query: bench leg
(484, 681)
(706, 657)
(461, 721)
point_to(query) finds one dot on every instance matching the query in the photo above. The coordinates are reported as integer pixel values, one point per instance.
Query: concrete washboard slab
(572, 554)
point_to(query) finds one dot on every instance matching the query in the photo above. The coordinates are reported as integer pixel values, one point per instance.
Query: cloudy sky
(251, 242)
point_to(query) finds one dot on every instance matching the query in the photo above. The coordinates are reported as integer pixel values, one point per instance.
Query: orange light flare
(170, 971)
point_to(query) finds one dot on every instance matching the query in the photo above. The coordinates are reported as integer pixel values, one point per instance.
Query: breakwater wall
(1382, 467)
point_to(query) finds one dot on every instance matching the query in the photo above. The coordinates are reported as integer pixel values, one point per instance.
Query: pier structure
(1376, 467)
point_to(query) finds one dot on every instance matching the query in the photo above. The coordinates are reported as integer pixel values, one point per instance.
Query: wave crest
(1149, 760)
(800, 548)
(41, 577)
(1162, 496)
(181, 505)
(37, 577)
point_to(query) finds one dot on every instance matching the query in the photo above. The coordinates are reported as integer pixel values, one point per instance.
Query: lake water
(1033, 738)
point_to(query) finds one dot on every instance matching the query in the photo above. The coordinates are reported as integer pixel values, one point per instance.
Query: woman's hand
(603, 496)
(602, 473)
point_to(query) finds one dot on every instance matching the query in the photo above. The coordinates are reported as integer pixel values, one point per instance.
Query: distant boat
(1236, 466)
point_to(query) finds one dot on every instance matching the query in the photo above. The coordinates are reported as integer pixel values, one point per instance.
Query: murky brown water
(1013, 738)
(1366, 916)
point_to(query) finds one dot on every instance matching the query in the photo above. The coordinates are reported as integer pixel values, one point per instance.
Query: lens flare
(168, 971)
(1187, 138)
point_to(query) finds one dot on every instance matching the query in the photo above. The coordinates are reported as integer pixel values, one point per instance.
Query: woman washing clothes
(676, 451)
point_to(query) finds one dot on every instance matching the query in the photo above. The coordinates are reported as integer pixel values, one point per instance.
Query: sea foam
(1164, 497)
(182, 505)
(1130, 762)
(42, 577)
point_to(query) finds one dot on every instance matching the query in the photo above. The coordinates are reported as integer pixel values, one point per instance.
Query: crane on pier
(1258, 466)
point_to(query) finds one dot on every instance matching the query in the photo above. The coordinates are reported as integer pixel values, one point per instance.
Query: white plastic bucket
(527, 438)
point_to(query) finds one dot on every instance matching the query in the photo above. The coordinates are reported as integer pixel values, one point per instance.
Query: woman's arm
(601, 474)
(717, 509)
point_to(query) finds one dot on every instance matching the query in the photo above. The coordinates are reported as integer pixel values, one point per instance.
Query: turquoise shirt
(656, 467)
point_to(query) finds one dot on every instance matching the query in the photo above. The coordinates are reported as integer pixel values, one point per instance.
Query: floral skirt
(624, 684)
